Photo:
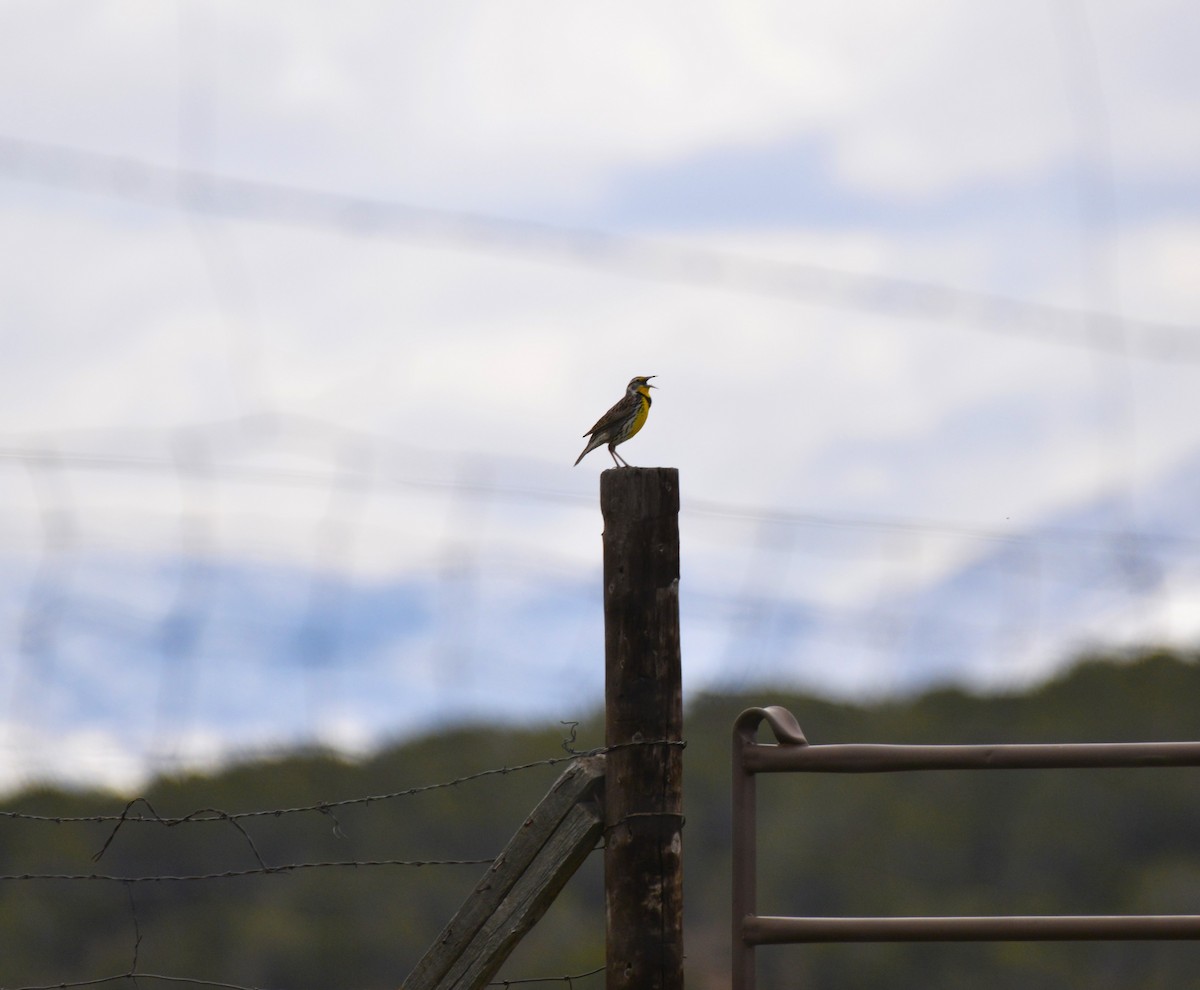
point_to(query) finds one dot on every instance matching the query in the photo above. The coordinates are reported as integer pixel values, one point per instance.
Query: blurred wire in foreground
(205, 192)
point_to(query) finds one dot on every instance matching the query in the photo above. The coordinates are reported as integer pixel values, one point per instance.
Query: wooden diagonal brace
(520, 885)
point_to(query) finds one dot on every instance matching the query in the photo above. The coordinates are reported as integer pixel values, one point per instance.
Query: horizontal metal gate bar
(871, 758)
(765, 930)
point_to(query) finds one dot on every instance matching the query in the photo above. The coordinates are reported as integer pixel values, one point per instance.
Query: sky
(333, 293)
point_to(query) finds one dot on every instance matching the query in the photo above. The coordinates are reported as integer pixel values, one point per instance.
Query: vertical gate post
(643, 876)
(745, 877)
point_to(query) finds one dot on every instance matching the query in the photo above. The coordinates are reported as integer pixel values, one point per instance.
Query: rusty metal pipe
(872, 758)
(1046, 928)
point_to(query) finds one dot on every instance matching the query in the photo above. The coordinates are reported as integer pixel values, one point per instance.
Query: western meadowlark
(622, 421)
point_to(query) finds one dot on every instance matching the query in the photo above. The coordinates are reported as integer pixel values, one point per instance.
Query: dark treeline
(1090, 842)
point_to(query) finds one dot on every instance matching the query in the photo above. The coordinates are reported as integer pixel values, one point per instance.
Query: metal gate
(791, 753)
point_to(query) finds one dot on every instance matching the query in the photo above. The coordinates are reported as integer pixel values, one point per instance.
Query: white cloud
(485, 104)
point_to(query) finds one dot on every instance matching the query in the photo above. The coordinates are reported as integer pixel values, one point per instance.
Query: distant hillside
(1081, 842)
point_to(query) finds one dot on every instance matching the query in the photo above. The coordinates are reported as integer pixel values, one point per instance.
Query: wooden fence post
(643, 877)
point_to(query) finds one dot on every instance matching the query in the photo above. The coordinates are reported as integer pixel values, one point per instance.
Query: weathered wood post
(643, 875)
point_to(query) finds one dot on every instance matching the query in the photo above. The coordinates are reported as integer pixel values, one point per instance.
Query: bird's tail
(592, 445)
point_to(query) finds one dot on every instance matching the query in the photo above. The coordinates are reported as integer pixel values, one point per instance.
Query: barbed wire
(258, 871)
(322, 807)
(208, 193)
(349, 478)
(130, 814)
(209, 815)
(135, 975)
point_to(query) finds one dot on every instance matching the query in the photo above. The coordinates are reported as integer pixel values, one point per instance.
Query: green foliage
(1000, 842)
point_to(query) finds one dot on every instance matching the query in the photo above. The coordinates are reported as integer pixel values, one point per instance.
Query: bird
(622, 421)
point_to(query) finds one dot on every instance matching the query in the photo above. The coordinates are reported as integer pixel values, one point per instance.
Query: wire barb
(569, 980)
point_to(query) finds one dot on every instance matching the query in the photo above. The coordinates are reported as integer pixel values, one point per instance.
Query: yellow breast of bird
(642, 412)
